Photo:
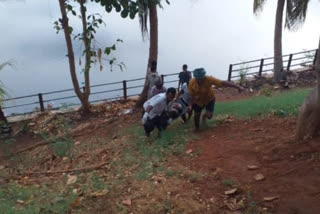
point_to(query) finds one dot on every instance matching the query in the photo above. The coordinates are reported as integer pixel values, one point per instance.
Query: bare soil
(216, 162)
(291, 169)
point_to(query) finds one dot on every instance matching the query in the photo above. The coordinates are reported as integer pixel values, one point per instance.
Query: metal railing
(100, 92)
(265, 65)
(129, 88)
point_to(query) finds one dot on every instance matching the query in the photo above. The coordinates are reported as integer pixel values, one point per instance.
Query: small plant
(61, 146)
(266, 92)
(252, 209)
(194, 177)
(243, 73)
(228, 183)
(97, 182)
(171, 173)
(167, 206)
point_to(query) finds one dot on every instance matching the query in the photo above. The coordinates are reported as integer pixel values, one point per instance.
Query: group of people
(194, 94)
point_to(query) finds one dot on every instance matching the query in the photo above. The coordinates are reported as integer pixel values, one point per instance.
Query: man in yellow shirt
(202, 94)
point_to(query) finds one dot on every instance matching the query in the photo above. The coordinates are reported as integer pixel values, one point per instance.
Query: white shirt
(185, 95)
(159, 104)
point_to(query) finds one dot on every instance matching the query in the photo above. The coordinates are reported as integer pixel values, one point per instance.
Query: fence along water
(129, 88)
(265, 65)
(67, 98)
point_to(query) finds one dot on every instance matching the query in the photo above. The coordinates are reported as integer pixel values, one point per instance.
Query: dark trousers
(161, 122)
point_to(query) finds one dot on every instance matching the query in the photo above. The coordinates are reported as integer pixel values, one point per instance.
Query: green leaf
(132, 14)
(108, 8)
(124, 13)
(107, 51)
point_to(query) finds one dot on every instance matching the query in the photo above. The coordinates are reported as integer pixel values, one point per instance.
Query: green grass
(151, 153)
(15, 198)
(282, 104)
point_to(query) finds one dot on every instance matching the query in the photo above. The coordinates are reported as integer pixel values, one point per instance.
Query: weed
(171, 173)
(194, 177)
(266, 92)
(243, 73)
(61, 146)
(6, 146)
(167, 206)
(97, 182)
(228, 183)
(252, 209)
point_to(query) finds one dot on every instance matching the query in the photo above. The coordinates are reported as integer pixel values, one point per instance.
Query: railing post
(162, 78)
(261, 67)
(315, 57)
(289, 62)
(124, 89)
(41, 102)
(230, 72)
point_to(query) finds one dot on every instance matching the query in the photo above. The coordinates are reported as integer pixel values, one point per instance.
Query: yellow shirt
(204, 93)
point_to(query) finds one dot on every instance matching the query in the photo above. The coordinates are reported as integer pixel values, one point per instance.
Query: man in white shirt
(155, 111)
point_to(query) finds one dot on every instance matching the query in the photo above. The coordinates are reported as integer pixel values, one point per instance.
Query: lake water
(201, 33)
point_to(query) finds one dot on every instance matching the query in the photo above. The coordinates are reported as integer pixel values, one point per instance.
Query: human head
(158, 84)
(153, 66)
(199, 73)
(171, 93)
(185, 67)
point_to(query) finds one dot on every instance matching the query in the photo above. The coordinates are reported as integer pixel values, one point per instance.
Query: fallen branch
(84, 169)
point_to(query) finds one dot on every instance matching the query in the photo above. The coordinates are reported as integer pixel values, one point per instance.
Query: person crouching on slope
(155, 111)
(202, 94)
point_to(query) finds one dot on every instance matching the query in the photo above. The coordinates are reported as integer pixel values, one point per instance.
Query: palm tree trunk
(65, 24)
(153, 50)
(278, 62)
(308, 123)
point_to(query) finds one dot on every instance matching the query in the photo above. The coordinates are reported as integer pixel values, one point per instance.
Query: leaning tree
(308, 123)
(295, 12)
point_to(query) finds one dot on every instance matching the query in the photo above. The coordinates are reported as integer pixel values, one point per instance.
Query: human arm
(179, 85)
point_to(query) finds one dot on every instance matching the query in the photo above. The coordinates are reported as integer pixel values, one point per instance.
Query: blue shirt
(185, 77)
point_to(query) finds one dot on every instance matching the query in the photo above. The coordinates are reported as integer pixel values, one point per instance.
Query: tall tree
(149, 11)
(89, 25)
(308, 123)
(83, 96)
(295, 12)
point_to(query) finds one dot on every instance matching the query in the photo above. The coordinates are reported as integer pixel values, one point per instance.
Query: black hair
(171, 91)
(185, 66)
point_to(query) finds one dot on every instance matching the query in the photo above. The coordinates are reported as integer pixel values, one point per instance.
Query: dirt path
(291, 170)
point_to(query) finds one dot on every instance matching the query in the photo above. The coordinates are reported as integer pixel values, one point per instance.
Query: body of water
(201, 33)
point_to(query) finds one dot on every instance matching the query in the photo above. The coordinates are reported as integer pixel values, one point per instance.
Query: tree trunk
(66, 28)
(153, 50)
(279, 74)
(308, 123)
(3, 117)
(87, 45)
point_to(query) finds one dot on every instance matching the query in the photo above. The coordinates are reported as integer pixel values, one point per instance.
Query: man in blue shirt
(184, 76)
